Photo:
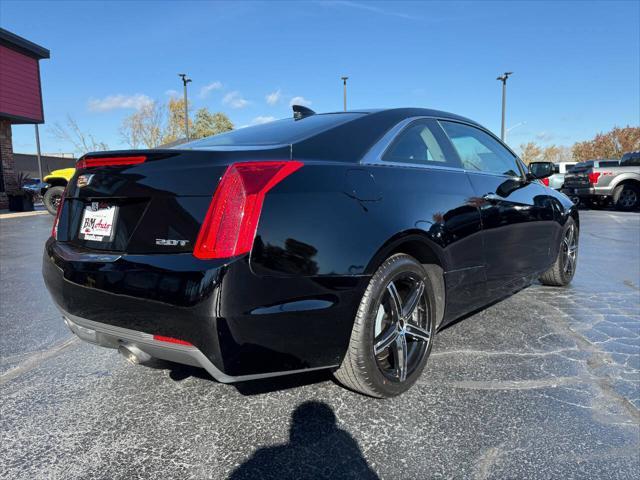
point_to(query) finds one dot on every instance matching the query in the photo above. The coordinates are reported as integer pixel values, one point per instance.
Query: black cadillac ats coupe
(339, 241)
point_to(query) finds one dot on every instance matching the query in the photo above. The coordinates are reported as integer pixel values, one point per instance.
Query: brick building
(20, 98)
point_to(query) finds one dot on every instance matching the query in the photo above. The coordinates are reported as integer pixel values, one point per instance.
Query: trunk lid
(152, 207)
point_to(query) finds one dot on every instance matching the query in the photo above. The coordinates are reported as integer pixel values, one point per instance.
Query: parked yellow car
(56, 183)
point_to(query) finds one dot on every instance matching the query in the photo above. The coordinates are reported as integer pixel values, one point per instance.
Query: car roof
(409, 112)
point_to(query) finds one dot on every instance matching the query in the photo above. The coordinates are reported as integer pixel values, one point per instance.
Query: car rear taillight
(545, 181)
(230, 224)
(593, 177)
(90, 162)
(161, 338)
(54, 229)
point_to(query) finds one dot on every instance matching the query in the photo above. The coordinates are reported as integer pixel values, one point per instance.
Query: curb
(22, 214)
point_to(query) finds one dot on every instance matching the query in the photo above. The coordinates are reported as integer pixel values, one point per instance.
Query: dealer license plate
(98, 222)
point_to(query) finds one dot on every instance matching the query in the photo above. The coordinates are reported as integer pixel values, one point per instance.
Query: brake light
(545, 181)
(110, 161)
(230, 224)
(54, 229)
(162, 338)
(593, 177)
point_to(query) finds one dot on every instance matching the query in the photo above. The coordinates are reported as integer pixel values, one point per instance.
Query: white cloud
(113, 102)
(259, 120)
(372, 8)
(172, 93)
(300, 101)
(545, 136)
(207, 89)
(274, 97)
(235, 100)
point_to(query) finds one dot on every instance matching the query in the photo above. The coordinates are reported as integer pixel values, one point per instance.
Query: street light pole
(344, 83)
(38, 151)
(503, 79)
(185, 80)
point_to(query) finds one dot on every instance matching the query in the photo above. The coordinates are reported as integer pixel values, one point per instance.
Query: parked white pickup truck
(602, 181)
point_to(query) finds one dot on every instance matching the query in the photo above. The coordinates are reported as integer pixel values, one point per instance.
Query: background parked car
(598, 182)
(557, 179)
(52, 191)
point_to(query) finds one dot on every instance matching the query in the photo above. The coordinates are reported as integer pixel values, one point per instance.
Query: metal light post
(503, 79)
(344, 83)
(185, 80)
(38, 151)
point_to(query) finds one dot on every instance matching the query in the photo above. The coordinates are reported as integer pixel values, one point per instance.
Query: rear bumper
(241, 325)
(110, 336)
(586, 191)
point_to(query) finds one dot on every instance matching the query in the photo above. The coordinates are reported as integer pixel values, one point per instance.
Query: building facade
(20, 99)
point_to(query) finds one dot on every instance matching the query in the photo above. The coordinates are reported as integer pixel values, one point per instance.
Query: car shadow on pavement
(317, 448)
(179, 372)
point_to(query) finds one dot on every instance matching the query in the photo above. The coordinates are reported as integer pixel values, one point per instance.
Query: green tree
(207, 123)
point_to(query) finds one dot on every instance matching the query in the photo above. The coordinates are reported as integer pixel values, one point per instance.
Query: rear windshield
(609, 163)
(279, 132)
(581, 167)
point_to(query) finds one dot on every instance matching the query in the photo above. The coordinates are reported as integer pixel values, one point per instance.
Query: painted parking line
(23, 214)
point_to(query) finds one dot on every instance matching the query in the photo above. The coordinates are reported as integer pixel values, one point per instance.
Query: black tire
(626, 197)
(563, 269)
(51, 199)
(379, 374)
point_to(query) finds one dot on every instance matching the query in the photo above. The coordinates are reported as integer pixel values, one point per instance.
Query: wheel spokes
(386, 339)
(396, 302)
(413, 299)
(417, 333)
(400, 357)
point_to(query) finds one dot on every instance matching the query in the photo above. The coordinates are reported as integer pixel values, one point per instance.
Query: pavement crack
(36, 358)
(515, 384)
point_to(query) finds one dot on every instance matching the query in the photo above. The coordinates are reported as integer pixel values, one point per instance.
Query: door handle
(492, 197)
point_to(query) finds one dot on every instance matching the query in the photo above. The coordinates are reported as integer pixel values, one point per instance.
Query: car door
(428, 177)
(517, 218)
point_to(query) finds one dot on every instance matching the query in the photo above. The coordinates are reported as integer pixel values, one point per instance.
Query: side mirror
(540, 170)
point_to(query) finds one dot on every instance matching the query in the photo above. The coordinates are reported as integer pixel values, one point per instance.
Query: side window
(480, 151)
(417, 144)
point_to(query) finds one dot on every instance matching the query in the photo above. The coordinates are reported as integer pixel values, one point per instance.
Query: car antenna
(300, 112)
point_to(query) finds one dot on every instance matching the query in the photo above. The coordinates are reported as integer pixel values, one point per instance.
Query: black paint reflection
(295, 258)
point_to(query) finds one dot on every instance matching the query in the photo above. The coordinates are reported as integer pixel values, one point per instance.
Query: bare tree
(530, 152)
(82, 141)
(144, 127)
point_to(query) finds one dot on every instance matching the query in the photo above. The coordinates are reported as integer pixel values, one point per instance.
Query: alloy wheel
(628, 198)
(402, 328)
(569, 250)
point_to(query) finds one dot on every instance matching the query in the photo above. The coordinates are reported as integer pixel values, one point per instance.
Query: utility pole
(38, 151)
(503, 79)
(344, 83)
(185, 80)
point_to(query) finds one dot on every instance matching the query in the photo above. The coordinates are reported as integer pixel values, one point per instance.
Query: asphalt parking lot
(545, 384)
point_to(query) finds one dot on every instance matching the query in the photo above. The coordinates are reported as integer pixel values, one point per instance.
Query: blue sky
(576, 64)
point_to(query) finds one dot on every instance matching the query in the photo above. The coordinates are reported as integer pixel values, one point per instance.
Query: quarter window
(417, 144)
(479, 151)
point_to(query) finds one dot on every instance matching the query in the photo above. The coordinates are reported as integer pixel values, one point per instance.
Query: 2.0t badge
(171, 243)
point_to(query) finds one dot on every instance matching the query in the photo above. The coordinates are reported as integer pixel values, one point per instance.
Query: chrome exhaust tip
(133, 354)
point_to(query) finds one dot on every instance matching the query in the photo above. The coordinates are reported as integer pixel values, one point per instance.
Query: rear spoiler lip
(231, 148)
(152, 154)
